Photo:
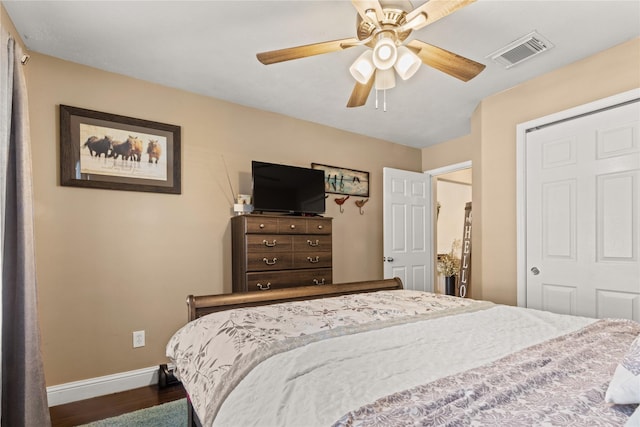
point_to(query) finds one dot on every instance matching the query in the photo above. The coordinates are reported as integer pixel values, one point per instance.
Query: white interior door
(583, 215)
(407, 229)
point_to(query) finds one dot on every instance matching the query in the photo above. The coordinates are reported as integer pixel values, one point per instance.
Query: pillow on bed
(624, 387)
(634, 420)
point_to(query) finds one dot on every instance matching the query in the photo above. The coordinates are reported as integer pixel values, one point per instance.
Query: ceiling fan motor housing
(393, 19)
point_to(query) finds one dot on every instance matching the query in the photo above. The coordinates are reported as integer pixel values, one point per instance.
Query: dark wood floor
(99, 408)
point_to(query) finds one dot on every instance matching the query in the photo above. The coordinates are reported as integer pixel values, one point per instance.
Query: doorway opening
(451, 199)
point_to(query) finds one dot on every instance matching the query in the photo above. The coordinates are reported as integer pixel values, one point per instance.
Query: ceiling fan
(384, 26)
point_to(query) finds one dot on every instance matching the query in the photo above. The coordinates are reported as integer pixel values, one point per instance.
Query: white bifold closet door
(583, 215)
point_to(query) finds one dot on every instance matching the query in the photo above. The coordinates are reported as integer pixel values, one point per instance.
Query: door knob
(389, 259)
(535, 271)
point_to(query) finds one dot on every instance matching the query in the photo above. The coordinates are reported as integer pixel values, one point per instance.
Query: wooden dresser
(279, 251)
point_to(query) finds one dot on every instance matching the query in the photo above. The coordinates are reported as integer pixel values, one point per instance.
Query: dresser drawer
(268, 243)
(254, 224)
(312, 243)
(311, 259)
(292, 225)
(265, 261)
(286, 279)
(319, 225)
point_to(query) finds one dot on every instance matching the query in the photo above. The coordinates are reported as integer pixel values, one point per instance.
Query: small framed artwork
(344, 181)
(104, 150)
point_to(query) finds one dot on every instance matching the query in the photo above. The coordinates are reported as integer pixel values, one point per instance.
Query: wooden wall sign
(465, 263)
(344, 181)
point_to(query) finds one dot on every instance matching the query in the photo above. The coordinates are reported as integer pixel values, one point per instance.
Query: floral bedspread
(212, 354)
(558, 382)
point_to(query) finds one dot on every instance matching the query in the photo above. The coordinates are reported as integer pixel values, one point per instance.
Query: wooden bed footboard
(199, 306)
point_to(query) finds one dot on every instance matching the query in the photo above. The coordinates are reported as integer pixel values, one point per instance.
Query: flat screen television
(290, 189)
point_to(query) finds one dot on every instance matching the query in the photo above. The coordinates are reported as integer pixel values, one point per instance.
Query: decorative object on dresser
(280, 251)
(243, 205)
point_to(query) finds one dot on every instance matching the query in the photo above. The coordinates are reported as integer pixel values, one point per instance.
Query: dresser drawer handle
(266, 261)
(312, 260)
(264, 287)
(318, 282)
(261, 226)
(316, 243)
(320, 227)
(269, 245)
(293, 226)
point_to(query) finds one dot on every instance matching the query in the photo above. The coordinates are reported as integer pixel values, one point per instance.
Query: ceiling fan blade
(434, 10)
(448, 62)
(363, 5)
(360, 93)
(298, 52)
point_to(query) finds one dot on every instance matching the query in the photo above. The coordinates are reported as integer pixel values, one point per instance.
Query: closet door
(583, 215)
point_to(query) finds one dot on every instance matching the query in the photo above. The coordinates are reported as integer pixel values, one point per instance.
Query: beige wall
(112, 262)
(493, 153)
(447, 153)
(453, 197)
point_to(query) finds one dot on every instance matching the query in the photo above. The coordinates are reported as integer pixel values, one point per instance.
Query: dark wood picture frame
(109, 151)
(345, 181)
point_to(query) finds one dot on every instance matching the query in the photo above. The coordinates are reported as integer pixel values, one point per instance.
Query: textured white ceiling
(209, 47)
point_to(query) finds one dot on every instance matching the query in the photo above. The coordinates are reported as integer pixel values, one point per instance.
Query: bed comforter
(560, 382)
(261, 366)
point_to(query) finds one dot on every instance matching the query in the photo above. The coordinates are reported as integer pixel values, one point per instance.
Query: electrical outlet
(138, 339)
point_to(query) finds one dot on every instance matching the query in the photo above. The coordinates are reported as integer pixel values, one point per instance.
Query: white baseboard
(100, 386)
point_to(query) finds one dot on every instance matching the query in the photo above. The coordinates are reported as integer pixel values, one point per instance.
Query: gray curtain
(24, 396)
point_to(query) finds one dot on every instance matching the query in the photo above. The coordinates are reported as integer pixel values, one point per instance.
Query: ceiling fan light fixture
(407, 64)
(384, 26)
(362, 69)
(385, 79)
(385, 54)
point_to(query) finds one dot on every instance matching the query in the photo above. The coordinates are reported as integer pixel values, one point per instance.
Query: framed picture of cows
(104, 150)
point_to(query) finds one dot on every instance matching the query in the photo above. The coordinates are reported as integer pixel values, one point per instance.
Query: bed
(373, 354)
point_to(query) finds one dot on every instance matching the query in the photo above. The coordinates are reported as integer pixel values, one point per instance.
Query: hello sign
(465, 262)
